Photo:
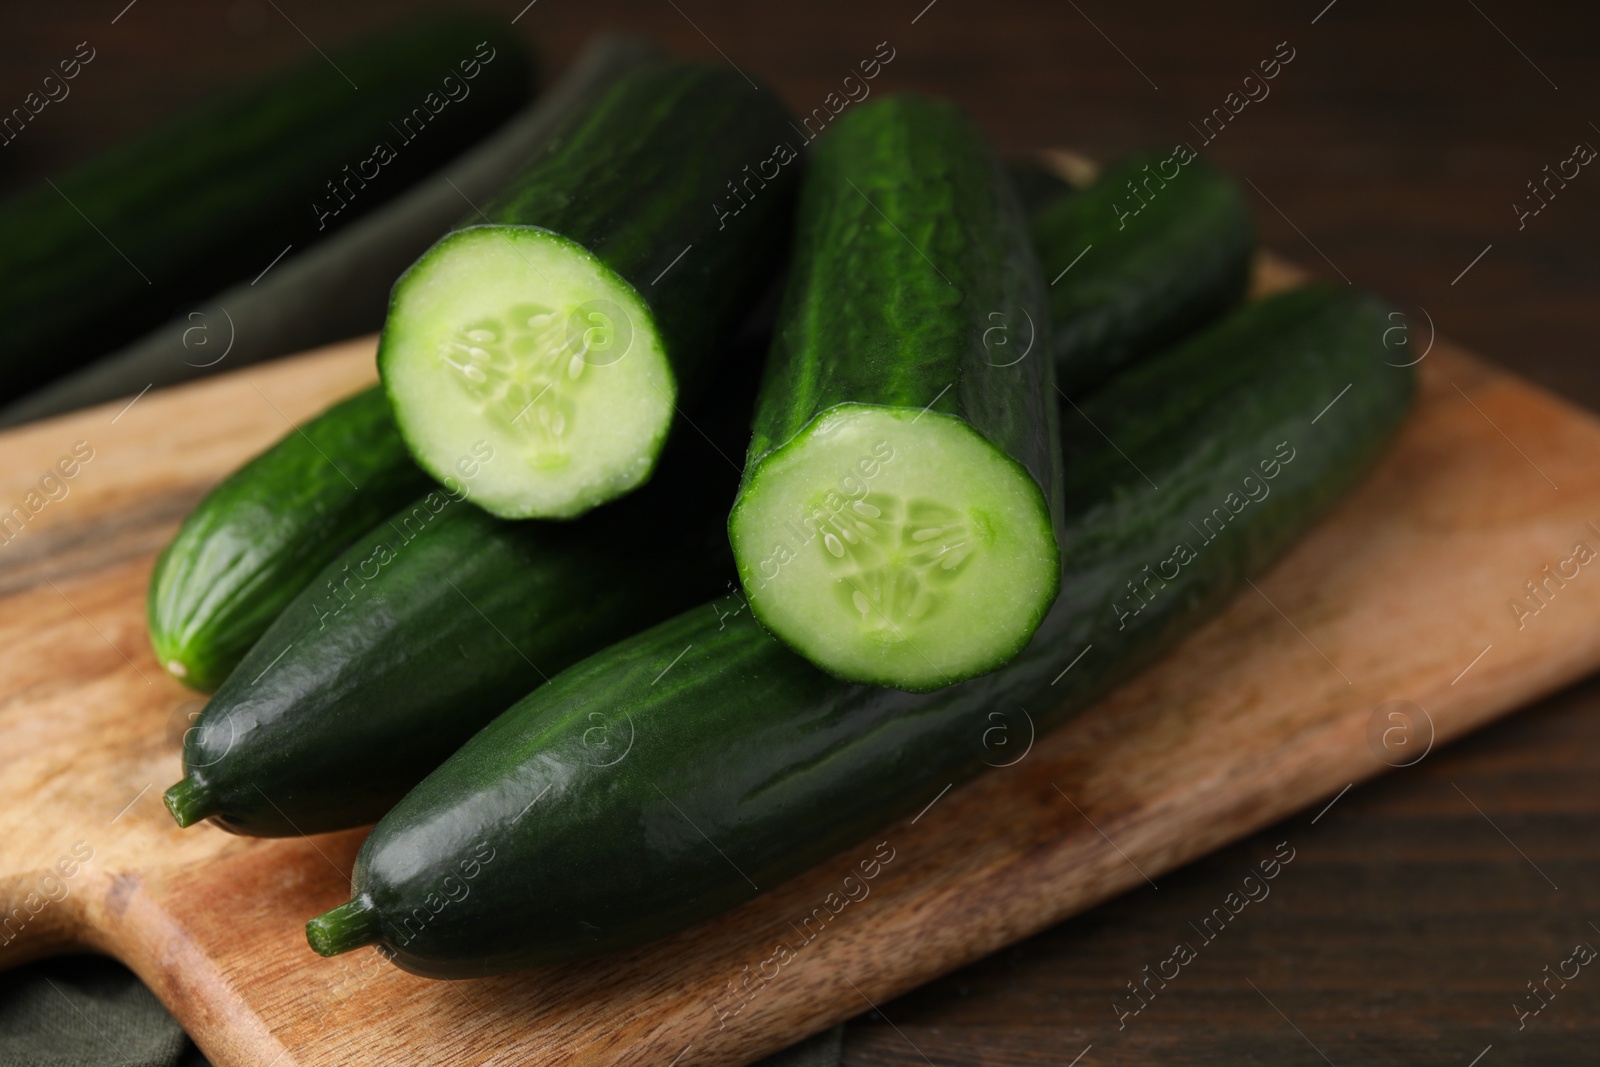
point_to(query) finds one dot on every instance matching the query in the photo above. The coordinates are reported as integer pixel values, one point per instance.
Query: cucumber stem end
(351, 925)
(189, 801)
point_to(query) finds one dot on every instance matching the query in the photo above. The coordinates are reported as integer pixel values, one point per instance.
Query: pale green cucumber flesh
(897, 547)
(520, 337)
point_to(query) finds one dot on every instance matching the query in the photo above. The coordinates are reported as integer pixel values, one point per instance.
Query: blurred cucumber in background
(98, 255)
(339, 287)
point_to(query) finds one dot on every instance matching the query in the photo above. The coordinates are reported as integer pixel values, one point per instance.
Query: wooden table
(1396, 141)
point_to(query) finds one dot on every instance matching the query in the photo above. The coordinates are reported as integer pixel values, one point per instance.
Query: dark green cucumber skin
(913, 284)
(637, 179)
(213, 195)
(259, 537)
(1152, 274)
(380, 679)
(744, 744)
(340, 288)
(362, 686)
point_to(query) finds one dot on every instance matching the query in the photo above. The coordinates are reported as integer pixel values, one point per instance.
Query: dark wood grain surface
(1390, 152)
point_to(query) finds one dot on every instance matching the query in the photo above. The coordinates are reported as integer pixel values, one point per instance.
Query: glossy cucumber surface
(1160, 244)
(424, 630)
(437, 620)
(729, 763)
(260, 536)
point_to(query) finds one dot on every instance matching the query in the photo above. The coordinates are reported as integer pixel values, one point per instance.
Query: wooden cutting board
(1280, 703)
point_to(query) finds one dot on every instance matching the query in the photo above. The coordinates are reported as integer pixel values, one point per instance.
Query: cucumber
(122, 241)
(462, 614)
(747, 765)
(214, 593)
(896, 523)
(338, 287)
(556, 322)
(1166, 243)
(437, 620)
(261, 535)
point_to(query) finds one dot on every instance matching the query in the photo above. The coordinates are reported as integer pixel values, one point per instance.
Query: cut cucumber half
(896, 524)
(883, 535)
(520, 337)
(561, 320)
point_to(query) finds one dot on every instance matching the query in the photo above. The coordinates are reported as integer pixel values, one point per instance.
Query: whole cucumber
(1158, 245)
(260, 536)
(421, 632)
(438, 619)
(338, 287)
(115, 245)
(661, 781)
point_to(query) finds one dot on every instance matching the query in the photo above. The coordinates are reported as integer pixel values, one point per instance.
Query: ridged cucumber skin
(913, 285)
(1160, 262)
(213, 195)
(745, 762)
(637, 180)
(362, 686)
(261, 535)
(910, 248)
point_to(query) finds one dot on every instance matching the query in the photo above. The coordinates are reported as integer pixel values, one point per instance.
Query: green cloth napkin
(88, 1011)
(83, 1011)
